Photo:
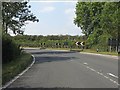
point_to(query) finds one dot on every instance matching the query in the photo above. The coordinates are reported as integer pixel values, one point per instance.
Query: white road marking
(106, 77)
(88, 67)
(112, 75)
(97, 72)
(92, 69)
(102, 74)
(85, 63)
(15, 78)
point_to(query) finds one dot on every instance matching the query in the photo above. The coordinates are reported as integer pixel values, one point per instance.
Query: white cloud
(47, 9)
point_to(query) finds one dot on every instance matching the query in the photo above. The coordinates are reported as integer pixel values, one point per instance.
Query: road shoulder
(110, 56)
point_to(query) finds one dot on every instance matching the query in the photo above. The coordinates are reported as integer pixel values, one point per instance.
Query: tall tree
(15, 14)
(88, 16)
(110, 18)
(98, 20)
(83, 19)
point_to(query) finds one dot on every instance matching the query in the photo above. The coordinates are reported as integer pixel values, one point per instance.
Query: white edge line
(16, 77)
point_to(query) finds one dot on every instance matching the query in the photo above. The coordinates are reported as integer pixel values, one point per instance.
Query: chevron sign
(80, 43)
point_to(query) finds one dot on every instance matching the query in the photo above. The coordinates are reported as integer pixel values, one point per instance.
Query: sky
(55, 18)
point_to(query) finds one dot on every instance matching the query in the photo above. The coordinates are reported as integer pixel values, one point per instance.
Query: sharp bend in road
(69, 69)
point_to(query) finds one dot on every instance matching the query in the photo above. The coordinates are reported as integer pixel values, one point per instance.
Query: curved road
(69, 69)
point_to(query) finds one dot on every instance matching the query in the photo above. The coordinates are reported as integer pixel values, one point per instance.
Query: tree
(15, 14)
(110, 18)
(98, 21)
(83, 19)
(88, 16)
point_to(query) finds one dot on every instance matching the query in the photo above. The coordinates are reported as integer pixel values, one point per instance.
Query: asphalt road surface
(67, 69)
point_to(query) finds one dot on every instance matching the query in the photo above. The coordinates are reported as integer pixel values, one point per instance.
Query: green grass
(13, 68)
(106, 53)
(86, 50)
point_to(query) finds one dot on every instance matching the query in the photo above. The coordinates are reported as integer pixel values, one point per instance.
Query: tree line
(50, 41)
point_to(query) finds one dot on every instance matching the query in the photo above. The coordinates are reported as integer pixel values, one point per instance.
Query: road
(67, 69)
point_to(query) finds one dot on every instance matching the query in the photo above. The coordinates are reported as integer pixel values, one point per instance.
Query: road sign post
(110, 49)
(112, 42)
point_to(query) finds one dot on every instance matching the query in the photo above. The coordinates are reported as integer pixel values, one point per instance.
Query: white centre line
(85, 63)
(110, 74)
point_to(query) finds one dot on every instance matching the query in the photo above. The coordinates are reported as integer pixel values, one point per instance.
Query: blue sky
(55, 18)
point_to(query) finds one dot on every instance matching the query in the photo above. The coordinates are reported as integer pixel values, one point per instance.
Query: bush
(10, 50)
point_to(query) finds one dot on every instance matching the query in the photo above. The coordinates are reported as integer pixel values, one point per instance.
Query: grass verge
(15, 67)
(105, 53)
(86, 50)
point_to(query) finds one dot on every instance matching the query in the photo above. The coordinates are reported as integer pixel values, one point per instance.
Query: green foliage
(10, 70)
(14, 16)
(110, 18)
(103, 40)
(88, 16)
(98, 21)
(50, 41)
(10, 50)
(94, 39)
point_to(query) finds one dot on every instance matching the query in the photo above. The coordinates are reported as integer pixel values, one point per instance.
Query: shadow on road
(53, 52)
(50, 56)
(43, 59)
